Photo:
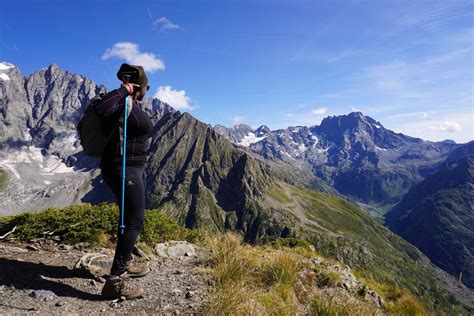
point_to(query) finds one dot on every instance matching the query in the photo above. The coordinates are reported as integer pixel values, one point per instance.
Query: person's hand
(128, 86)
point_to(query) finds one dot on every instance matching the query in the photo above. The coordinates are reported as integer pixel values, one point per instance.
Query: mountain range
(305, 182)
(353, 153)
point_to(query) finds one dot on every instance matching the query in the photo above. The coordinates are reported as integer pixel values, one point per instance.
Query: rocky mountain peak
(213, 182)
(262, 130)
(350, 122)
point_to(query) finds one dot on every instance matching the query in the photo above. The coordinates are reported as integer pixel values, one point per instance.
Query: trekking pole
(125, 112)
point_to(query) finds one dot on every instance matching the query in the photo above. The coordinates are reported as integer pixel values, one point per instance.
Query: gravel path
(45, 281)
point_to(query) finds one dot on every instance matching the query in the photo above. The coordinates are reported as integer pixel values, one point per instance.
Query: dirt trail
(172, 287)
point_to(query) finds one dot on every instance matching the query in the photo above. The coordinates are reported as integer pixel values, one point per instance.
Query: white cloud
(422, 79)
(164, 24)
(424, 115)
(445, 124)
(131, 53)
(319, 111)
(434, 17)
(176, 98)
(238, 119)
(447, 127)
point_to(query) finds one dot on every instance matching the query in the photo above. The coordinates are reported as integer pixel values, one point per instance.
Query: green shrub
(75, 223)
(281, 268)
(94, 224)
(325, 278)
(321, 307)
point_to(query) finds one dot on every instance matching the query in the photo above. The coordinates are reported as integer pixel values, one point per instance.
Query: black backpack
(90, 129)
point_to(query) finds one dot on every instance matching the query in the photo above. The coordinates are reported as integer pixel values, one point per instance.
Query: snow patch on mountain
(301, 147)
(6, 65)
(69, 140)
(296, 129)
(31, 155)
(250, 138)
(322, 150)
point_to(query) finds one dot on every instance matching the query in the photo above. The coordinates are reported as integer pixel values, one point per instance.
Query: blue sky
(407, 64)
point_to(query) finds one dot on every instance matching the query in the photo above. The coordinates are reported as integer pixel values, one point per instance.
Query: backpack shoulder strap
(121, 121)
(112, 132)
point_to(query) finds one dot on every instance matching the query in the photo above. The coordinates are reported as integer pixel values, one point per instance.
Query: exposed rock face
(41, 157)
(14, 110)
(205, 178)
(354, 153)
(201, 175)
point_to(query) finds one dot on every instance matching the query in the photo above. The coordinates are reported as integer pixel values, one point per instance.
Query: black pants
(134, 213)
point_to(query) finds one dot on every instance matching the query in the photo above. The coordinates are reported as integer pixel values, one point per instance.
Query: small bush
(280, 300)
(94, 224)
(281, 268)
(401, 302)
(159, 227)
(398, 301)
(231, 261)
(326, 278)
(76, 223)
(406, 305)
(323, 307)
(327, 305)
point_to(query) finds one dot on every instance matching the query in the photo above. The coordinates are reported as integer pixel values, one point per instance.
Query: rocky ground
(37, 278)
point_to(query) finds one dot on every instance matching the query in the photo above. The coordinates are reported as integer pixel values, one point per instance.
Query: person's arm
(144, 123)
(112, 101)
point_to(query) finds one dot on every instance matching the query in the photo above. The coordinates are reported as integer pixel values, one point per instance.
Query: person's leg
(110, 177)
(133, 217)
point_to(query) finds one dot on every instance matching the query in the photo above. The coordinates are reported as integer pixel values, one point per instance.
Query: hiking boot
(137, 269)
(121, 285)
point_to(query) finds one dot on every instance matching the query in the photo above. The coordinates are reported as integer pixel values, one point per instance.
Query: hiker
(111, 107)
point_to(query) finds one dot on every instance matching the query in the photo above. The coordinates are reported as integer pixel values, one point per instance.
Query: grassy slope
(340, 230)
(276, 278)
(370, 249)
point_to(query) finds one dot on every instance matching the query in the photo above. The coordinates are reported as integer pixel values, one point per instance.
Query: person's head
(140, 92)
(134, 74)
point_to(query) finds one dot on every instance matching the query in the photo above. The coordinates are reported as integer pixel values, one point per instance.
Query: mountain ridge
(354, 153)
(437, 215)
(203, 179)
